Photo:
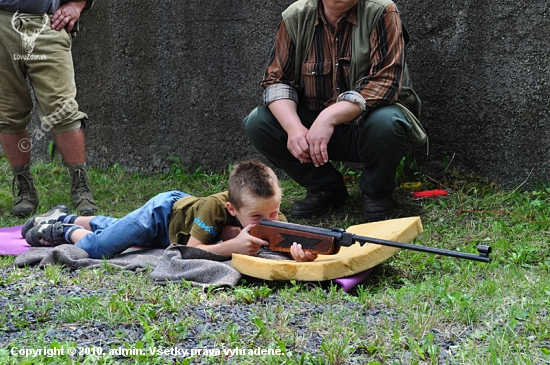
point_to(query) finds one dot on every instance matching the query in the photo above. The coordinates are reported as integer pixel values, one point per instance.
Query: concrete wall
(173, 77)
(481, 68)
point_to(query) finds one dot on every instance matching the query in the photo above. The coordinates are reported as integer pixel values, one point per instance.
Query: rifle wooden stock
(282, 235)
(280, 239)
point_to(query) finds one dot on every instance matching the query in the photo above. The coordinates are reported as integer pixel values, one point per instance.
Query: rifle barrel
(483, 250)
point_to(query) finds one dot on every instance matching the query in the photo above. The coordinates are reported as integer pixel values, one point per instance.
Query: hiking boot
(50, 217)
(377, 208)
(47, 235)
(319, 203)
(26, 198)
(81, 193)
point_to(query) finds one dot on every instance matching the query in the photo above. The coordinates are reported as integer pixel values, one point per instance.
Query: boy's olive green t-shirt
(201, 218)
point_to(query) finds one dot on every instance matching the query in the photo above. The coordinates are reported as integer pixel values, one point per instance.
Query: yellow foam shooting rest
(349, 261)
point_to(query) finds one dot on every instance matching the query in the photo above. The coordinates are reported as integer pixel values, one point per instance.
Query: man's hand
(318, 138)
(322, 129)
(297, 144)
(284, 110)
(67, 15)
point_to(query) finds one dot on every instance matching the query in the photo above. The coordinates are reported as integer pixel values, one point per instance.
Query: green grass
(415, 308)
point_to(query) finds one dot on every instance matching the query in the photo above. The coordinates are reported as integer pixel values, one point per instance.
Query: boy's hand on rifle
(229, 232)
(236, 241)
(300, 255)
(247, 244)
(251, 245)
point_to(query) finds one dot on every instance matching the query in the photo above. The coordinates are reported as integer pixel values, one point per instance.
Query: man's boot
(81, 193)
(26, 198)
(377, 208)
(318, 203)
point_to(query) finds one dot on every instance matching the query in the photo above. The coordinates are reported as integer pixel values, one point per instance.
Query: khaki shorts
(47, 63)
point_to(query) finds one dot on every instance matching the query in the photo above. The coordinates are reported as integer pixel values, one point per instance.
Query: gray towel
(174, 263)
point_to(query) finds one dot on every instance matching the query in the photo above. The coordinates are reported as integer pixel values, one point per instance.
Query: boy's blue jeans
(145, 226)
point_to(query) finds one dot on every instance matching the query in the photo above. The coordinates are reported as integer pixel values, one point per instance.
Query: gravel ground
(23, 320)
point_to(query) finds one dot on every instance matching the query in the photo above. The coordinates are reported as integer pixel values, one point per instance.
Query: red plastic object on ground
(429, 194)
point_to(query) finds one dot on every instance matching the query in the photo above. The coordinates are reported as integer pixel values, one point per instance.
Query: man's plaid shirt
(325, 69)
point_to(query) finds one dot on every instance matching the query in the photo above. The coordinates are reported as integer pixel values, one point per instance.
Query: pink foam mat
(11, 242)
(349, 282)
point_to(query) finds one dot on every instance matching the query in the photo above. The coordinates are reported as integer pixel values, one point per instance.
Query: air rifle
(282, 235)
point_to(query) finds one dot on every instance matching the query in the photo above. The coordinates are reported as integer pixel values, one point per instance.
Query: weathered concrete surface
(166, 77)
(172, 77)
(481, 68)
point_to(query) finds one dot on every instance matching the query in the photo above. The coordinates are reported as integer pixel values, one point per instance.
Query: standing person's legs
(17, 149)
(15, 114)
(54, 86)
(14, 146)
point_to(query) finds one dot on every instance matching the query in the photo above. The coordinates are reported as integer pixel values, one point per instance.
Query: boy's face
(255, 210)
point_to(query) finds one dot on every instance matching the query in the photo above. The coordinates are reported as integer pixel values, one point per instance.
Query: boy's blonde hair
(252, 180)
